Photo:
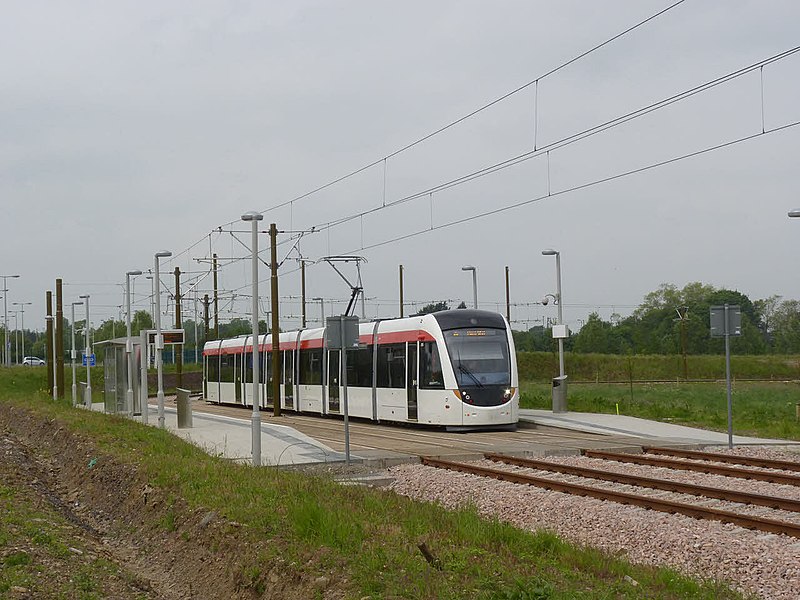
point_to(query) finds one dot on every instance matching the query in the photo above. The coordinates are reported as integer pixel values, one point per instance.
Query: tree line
(676, 321)
(670, 320)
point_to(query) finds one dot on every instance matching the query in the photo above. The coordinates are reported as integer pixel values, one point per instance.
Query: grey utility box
(560, 394)
(335, 327)
(184, 409)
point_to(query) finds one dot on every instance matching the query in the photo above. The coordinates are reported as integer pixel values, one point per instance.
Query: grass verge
(760, 409)
(363, 541)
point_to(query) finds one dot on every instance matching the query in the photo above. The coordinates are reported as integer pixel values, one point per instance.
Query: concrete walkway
(231, 438)
(640, 428)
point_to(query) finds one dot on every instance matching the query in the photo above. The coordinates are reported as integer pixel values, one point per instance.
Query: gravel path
(761, 563)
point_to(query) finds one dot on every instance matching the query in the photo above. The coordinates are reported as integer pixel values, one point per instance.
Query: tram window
(359, 367)
(288, 376)
(392, 365)
(248, 367)
(430, 367)
(269, 365)
(212, 371)
(226, 370)
(311, 367)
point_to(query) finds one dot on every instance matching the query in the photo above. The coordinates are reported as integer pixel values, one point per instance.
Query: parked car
(33, 361)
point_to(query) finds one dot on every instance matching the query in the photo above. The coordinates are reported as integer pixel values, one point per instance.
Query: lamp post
(72, 355)
(253, 218)
(22, 306)
(6, 353)
(53, 342)
(128, 341)
(87, 398)
(474, 284)
(15, 314)
(559, 302)
(159, 339)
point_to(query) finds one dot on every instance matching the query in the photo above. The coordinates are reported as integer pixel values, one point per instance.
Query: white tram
(454, 368)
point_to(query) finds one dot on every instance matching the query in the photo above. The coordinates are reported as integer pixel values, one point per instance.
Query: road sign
(341, 332)
(727, 321)
(720, 326)
(92, 360)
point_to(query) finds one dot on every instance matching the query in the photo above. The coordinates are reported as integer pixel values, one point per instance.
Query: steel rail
(689, 466)
(667, 506)
(767, 463)
(650, 482)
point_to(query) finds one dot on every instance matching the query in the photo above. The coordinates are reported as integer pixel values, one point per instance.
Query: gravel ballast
(751, 561)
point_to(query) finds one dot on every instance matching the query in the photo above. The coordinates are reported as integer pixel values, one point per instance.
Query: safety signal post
(727, 321)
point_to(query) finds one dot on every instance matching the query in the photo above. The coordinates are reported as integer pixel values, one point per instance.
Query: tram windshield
(479, 356)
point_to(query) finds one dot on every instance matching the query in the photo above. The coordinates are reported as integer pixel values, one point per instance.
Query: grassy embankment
(42, 556)
(760, 408)
(365, 539)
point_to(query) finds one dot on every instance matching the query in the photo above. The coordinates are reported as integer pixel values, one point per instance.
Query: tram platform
(606, 424)
(296, 440)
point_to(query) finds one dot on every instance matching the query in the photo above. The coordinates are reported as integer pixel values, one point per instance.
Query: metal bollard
(560, 394)
(82, 394)
(184, 409)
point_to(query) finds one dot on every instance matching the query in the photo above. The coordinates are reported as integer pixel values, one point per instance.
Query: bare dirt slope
(154, 546)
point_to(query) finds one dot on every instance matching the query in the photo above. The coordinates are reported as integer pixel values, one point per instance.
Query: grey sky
(129, 127)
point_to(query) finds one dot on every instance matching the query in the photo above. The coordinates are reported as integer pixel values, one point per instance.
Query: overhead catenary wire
(583, 185)
(472, 113)
(565, 141)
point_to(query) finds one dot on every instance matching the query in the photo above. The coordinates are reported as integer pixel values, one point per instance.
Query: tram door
(268, 377)
(333, 380)
(237, 369)
(288, 379)
(411, 381)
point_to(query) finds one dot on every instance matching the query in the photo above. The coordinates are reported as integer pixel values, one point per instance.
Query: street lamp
(53, 342)
(87, 397)
(72, 354)
(474, 284)
(253, 218)
(22, 306)
(561, 331)
(795, 212)
(15, 314)
(6, 353)
(128, 342)
(159, 338)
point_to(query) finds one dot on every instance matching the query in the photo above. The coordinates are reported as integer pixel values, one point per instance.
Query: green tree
(596, 335)
(431, 308)
(786, 328)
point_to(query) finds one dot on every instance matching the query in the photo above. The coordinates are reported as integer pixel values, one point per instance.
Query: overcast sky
(132, 127)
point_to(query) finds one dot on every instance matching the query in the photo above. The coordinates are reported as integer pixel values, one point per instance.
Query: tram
(453, 368)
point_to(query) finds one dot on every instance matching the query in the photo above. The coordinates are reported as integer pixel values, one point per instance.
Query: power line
(472, 113)
(582, 186)
(566, 141)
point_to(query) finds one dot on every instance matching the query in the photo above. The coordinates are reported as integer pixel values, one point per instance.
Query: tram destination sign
(171, 336)
(720, 326)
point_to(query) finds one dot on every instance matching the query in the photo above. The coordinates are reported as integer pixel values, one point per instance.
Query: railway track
(644, 501)
(701, 467)
(653, 483)
(786, 465)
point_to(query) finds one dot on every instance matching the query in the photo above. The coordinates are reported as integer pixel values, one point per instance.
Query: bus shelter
(115, 375)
